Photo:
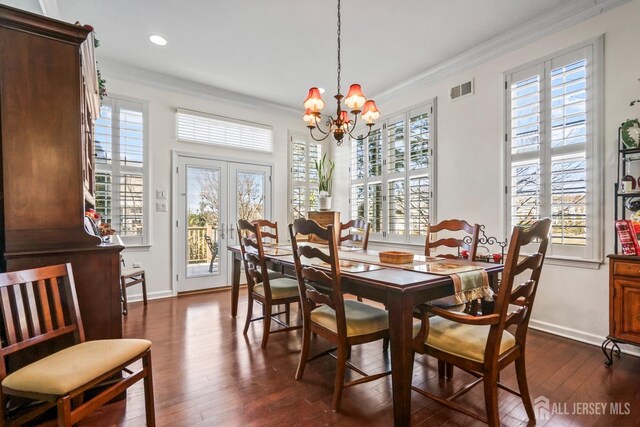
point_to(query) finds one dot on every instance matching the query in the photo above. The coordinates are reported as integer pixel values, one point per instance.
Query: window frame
(591, 254)
(292, 137)
(429, 107)
(116, 102)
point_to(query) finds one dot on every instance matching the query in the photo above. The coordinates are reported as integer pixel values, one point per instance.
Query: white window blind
(205, 128)
(553, 150)
(391, 173)
(303, 185)
(120, 137)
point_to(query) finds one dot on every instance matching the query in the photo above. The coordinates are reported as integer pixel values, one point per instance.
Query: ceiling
(276, 49)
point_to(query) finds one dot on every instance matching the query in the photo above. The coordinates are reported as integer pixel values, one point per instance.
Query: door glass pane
(250, 195)
(203, 208)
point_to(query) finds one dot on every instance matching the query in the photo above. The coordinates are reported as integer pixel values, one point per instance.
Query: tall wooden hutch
(48, 102)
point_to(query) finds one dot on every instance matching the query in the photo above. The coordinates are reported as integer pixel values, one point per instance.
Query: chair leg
(267, 323)
(123, 291)
(441, 369)
(249, 312)
(521, 374)
(304, 352)
(287, 313)
(490, 382)
(64, 411)
(341, 366)
(149, 406)
(144, 288)
(211, 264)
(448, 369)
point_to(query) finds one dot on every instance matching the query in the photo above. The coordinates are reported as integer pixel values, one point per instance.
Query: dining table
(400, 287)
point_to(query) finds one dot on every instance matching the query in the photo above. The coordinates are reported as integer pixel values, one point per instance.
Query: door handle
(222, 232)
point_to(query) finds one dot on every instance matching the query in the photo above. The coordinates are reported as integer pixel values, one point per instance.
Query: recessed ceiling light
(321, 89)
(156, 39)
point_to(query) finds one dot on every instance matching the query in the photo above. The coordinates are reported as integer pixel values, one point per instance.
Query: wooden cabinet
(46, 120)
(624, 298)
(325, 218)
(624, 304)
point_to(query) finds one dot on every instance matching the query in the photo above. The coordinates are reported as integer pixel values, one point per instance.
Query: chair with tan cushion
(484, 345)
(40, 306)
(269, 233)
(262, 286)
(343, 323)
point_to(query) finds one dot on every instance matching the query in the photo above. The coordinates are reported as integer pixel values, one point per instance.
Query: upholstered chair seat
(280, 288)
(71, 368)
(362, 319)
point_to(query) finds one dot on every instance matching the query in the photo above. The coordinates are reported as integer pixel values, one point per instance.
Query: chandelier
(342, 124)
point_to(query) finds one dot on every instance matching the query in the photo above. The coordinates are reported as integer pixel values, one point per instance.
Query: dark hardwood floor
(206, 373)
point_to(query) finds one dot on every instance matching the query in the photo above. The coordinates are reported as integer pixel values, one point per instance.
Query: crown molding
(559, 19)
(147, 77)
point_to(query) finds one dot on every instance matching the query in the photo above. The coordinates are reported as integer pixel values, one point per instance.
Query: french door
(211, 196)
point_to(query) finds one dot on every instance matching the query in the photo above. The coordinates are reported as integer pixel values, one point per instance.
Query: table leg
(235, 285)
(400, 309)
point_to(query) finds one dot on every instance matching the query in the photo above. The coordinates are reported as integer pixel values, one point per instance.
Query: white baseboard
(150, 295)
(576, 335)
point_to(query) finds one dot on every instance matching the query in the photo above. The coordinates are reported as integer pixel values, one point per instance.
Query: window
(553, 149)
(121, 151)
(209, 129)
(391, 176)
(303, 187)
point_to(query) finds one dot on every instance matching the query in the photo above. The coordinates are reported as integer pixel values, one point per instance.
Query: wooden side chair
(129, 278)
(261, 288)
(40, 306)
(213, 249)
(484, 345)
(452, 225)
(343, 323)
(355, 239)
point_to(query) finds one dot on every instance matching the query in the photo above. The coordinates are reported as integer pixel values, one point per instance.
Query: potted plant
(325, 178)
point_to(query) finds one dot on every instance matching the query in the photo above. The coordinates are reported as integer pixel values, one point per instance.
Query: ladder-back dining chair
(452, 226)
(261, 288)
(40, 306)
(484, 345)
(352, 237)
(340, 321)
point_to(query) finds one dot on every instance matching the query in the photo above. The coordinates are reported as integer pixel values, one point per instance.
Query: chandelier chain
(339, 28)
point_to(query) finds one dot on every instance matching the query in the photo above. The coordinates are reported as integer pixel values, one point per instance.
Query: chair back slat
(453, 225)
(326, 282)
(43, 299)
(8, 315)
(31, 309)
(57, 306)
(268, 229)
(37, 305)
(523, 295)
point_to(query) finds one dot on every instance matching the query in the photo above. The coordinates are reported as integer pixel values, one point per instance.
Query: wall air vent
(462, 90)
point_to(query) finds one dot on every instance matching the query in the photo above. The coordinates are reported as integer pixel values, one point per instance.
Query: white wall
(157, 259)
(571, 301)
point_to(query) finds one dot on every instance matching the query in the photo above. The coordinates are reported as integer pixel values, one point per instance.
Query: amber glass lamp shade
(355, 99)
(370, 112)
(314, 102)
